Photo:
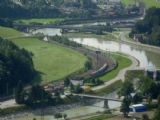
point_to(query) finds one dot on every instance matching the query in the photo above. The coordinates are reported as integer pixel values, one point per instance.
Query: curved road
(121, 74)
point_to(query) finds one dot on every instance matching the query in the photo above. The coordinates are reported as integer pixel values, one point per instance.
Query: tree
(149, 27)
(78, 89)
(157, 114)
(87, 4)
(137, 98)
(88, 65)
(67, 82)
(65, 116)
(15, 65)
(19, 97)
(127, 88)
(125, 106)
(58, 115)
(38, 96)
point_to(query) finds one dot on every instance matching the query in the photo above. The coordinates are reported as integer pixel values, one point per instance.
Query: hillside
(44, 8)
(148, 29)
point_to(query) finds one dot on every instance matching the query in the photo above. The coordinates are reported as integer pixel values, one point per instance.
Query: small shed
(138, 108)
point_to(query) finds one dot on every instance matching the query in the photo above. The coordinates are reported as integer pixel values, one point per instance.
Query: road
(121, 74)
(8, 103)
(97, 97)
(135, 62)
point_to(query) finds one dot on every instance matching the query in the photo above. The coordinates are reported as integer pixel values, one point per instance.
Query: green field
(123, 62)
(128, 2)
(148, 3)
(151, 3)
(9, 33)
(109, 89)
(53, 62)
(40, 21)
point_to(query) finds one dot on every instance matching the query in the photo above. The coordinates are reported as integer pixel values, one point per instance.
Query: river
(147, 59)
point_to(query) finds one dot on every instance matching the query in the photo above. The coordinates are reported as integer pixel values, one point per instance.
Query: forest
(15, 65)
(149, 27)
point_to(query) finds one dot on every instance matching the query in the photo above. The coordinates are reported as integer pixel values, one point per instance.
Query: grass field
(128, 2)
(109, 89)
(52, 61)
(8, 33)
(40, 20)
(148, 3)
(123, 62)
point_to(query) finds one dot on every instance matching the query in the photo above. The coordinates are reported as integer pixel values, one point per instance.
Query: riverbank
(121, 74)
(122, 36)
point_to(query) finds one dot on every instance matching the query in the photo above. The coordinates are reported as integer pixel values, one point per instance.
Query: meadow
(53, 62)
(148, 3)
(39, 21)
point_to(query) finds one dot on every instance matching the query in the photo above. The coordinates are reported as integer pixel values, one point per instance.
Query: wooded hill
(41, 8)
(15, 65)
(149, 27)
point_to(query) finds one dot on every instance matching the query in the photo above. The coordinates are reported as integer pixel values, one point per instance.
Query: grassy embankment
(148, 3)
(123, 62)
(39, 21)
(53, 62)
(111, 88)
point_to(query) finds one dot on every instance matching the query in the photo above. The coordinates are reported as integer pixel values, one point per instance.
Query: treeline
(44, 8)
(15, 65)
(36, 96)
(6, 22)
(29, 9)
(65, 41)
(149, 27)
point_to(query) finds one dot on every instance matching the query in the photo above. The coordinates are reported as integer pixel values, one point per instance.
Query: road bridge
(97, 97)
(106, 99)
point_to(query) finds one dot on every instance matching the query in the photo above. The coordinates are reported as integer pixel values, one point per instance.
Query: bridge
(106, 99)
(97, 97)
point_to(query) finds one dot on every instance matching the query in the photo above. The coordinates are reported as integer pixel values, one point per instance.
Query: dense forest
(149, 27)
(15, 65)
(44, 8)
(27, 9)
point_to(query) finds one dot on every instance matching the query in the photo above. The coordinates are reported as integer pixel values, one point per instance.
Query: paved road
(121, 74)
(97, 97)
(8, 103)
(134, 66)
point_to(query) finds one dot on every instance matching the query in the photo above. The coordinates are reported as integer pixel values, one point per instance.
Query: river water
(147, 59)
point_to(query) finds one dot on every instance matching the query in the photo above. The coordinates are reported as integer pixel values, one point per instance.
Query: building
(76, 82)
(138, 108)
(138, 37)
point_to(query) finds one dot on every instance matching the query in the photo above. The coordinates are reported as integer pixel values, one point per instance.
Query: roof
(76, 82)
(137, 105)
